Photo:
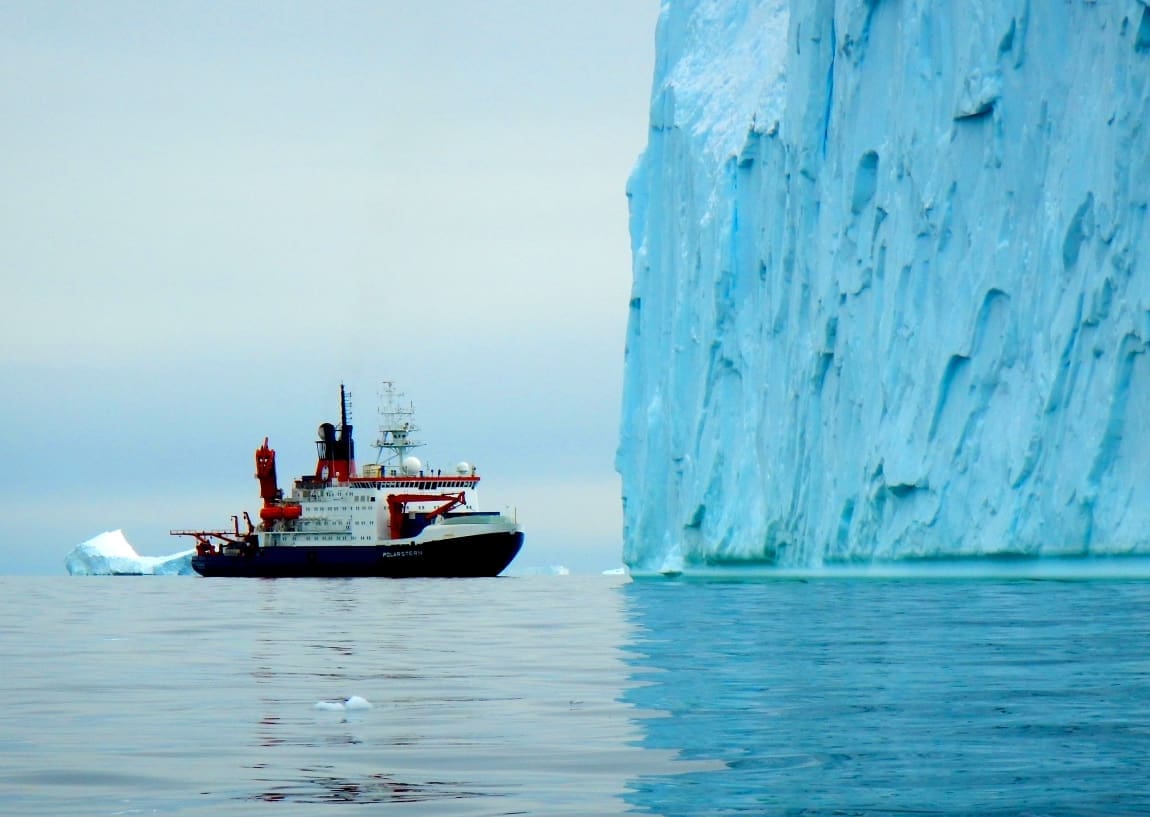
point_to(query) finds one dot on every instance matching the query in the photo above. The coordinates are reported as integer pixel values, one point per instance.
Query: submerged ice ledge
(887, 301)
(961, 568)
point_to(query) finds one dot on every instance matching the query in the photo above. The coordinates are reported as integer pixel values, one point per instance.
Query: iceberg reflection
(876, 696)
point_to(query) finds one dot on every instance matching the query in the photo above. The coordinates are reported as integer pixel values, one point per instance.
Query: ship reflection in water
(376, 788)
(507, 691)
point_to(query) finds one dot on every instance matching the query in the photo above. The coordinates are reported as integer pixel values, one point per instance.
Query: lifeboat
(271, 513)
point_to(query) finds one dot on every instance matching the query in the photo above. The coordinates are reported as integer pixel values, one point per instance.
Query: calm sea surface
(574, 696)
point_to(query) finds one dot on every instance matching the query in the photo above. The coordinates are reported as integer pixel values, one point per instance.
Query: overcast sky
(214, 213)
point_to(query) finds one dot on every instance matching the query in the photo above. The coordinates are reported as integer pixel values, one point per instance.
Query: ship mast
(396, 427)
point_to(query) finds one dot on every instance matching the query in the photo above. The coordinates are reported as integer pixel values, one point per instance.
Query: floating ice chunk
(540, 570)
(110, 554)
(352, 703)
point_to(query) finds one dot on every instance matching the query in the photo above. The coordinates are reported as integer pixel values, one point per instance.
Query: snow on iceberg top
(722, 71)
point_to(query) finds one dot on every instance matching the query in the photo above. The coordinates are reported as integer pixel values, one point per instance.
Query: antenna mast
(396, 426)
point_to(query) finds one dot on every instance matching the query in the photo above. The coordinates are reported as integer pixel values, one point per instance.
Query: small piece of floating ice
(354, 702)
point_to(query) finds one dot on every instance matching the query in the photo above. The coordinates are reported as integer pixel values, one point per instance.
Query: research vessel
(396, 519)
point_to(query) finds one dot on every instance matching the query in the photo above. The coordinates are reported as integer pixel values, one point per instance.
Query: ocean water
(574, 696)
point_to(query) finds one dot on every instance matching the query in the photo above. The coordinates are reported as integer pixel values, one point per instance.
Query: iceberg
(110, 554)
(887, 300)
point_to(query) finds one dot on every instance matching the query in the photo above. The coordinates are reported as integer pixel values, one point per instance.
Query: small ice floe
(354, 702)
(542, 570)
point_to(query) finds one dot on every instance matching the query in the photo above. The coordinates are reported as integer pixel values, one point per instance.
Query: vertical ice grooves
(862, 328)
(828, 101)
(1132, 347)
(1142, 38)
(956, 372)
(1078, 231)
(866, 179)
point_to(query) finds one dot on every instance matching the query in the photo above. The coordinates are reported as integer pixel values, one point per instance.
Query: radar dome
(412, 465)
(463, 468)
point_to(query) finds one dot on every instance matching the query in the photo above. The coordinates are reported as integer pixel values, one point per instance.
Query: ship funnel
(335, 452)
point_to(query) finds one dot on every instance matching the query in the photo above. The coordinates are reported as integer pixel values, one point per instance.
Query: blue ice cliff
(891, 284)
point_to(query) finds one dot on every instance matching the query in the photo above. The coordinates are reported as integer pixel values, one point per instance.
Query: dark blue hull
(484, 554)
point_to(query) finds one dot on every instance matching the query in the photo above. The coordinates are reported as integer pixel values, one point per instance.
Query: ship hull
(481, 554)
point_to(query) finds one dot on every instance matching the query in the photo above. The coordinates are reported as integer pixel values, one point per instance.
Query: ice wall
(891, 295)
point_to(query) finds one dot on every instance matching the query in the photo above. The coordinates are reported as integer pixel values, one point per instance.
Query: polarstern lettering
(409, 553)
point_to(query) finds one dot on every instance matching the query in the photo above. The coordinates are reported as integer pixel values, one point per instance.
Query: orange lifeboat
(292, 511)
(270, 513)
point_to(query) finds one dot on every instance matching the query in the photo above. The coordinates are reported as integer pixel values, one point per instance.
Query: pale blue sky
(214, 213)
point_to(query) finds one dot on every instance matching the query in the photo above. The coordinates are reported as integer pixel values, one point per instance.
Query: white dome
(463, 468)
(412, 465)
